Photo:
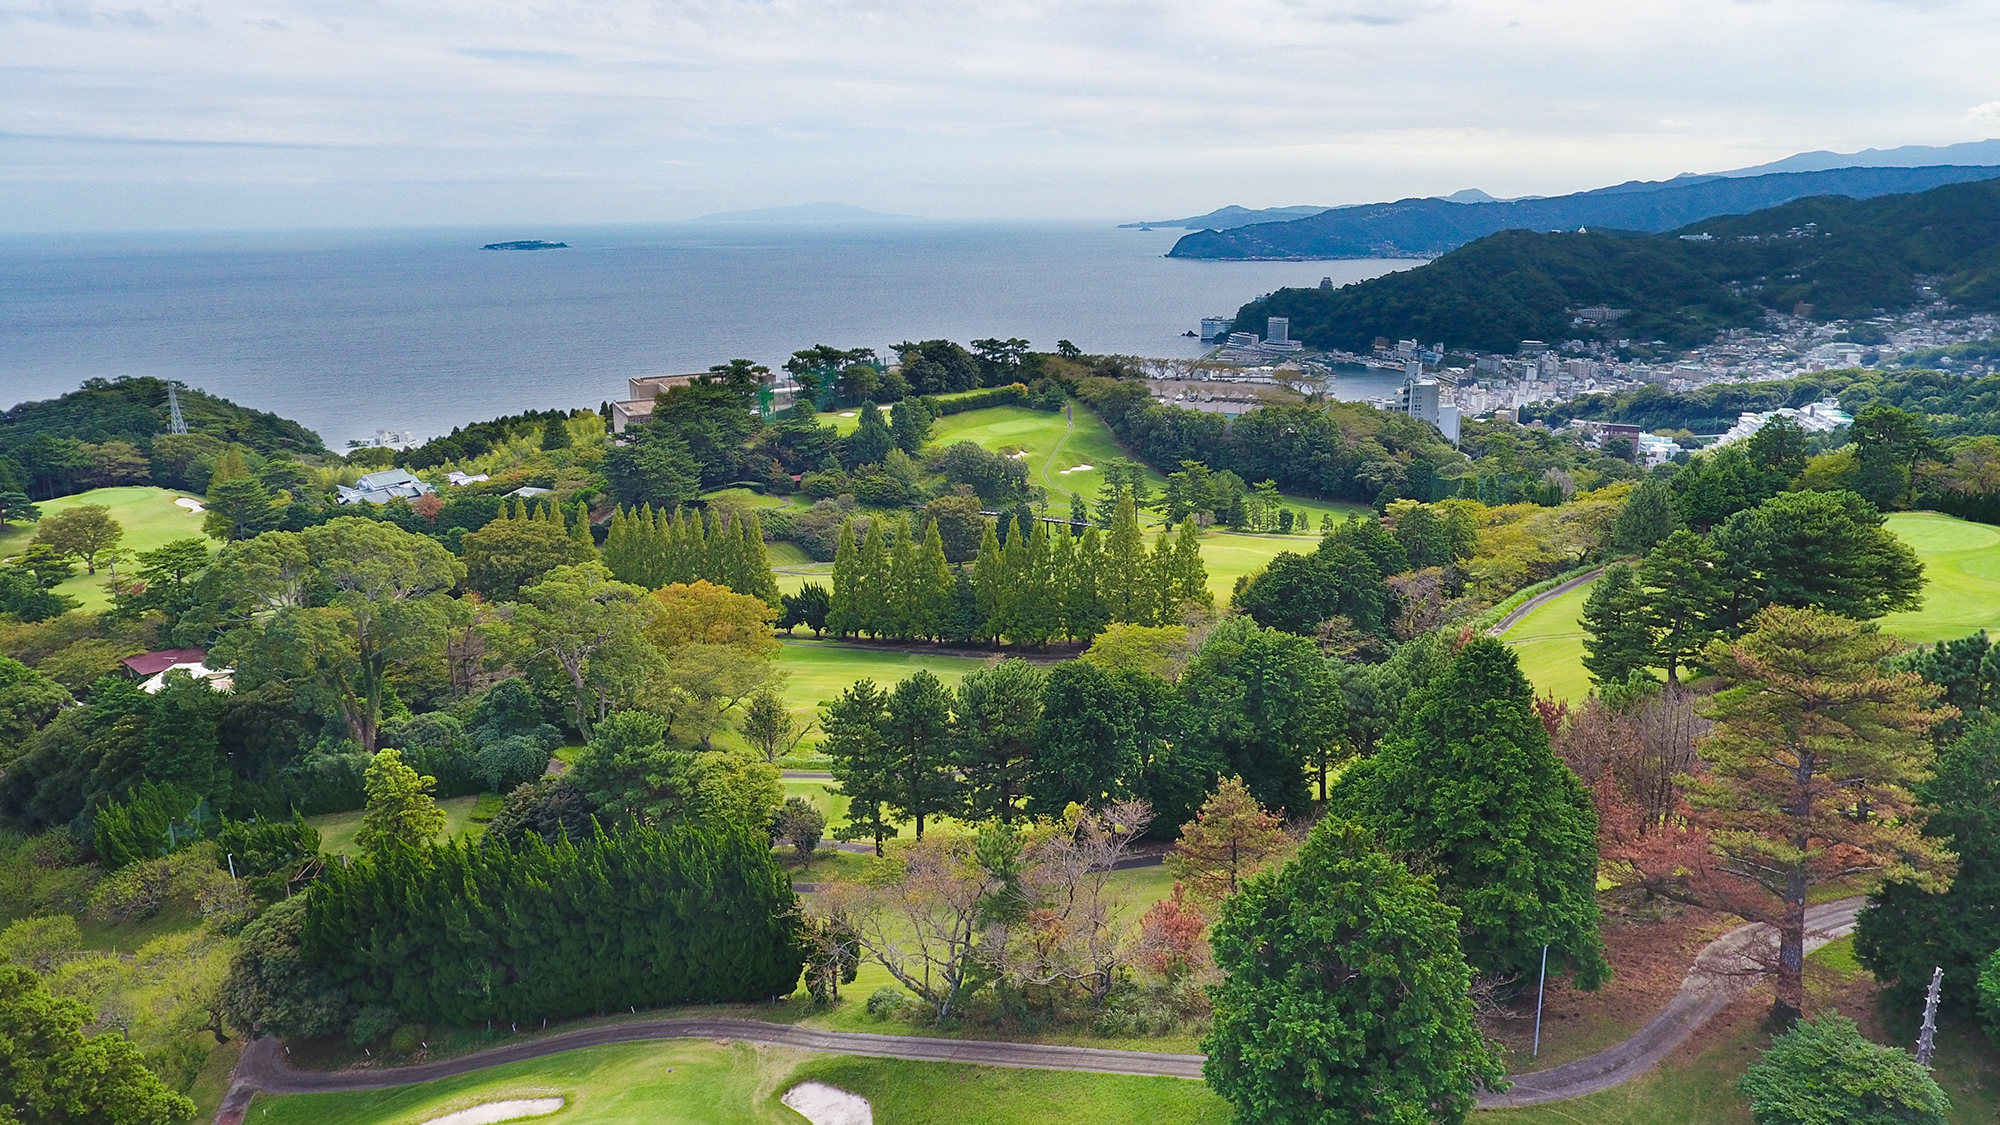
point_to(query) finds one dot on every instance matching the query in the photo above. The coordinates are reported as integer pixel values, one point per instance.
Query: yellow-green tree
(401, 809)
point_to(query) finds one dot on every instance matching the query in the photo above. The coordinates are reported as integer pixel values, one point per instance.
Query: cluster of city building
(1538, 372)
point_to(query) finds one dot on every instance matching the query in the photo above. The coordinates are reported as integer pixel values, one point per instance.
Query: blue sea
(421, 330)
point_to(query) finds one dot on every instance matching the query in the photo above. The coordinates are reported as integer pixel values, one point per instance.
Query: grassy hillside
(148, 515)
(1961, 596)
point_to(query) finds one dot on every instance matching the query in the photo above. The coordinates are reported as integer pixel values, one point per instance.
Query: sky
(219, 114)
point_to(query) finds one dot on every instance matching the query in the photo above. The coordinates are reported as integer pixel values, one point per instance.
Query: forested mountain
(1845, 257)
(103, 433)
(1427, 228)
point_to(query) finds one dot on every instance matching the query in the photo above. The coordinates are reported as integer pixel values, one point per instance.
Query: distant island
(526, 244)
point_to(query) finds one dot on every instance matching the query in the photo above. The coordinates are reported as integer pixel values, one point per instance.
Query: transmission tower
(176, 424)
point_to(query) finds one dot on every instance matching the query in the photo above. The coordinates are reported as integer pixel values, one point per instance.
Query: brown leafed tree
(1230, 839)
(1811, 763)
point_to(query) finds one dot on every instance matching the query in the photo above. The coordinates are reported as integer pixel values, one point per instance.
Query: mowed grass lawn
(820, 670)
(1549, 642)
(694, 1082)
(336, 830)
(1961, 596)
(1962, 568)
(148, 515)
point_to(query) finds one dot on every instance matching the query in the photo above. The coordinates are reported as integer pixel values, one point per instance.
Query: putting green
(149, 516)
(1962, 572)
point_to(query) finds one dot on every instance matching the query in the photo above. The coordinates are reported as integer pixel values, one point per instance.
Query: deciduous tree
(82, 533)
(1230, 839)
(1346, 998)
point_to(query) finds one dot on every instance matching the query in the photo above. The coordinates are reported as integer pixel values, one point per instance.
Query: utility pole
(1927, 1038)
(1540, 989)
(176, 423)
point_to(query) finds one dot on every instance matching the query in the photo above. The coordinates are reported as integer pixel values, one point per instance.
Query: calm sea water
(421, 330)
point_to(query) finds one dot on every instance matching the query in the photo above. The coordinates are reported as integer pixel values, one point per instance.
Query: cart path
(1532, 604)
(1722, 971)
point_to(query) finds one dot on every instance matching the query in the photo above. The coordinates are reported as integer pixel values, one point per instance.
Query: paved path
(1536, 602)
(1720, 973)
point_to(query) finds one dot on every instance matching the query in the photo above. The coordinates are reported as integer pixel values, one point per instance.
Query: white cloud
(294, 111)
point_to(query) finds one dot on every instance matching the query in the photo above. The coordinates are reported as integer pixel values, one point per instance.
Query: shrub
(887, 1001)
(1822, 1072)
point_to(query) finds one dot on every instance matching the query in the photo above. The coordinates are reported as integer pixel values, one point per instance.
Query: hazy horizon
(227, 114)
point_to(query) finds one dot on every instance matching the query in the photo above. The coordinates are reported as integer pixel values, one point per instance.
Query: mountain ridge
(1428, 228)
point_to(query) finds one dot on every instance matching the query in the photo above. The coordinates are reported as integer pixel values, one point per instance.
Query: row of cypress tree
(457, 934)
(655, 548)
(1041, 585)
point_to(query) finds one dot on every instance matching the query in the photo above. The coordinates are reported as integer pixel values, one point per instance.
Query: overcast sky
(226, 113)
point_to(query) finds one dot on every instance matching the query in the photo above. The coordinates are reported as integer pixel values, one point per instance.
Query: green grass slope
(147, 514)
(1961, 596)
(1962, 568)
(1549, 642)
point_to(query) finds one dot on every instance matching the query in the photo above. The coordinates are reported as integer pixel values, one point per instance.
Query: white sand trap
(514, 1109)
(847, 414)
(1076, 469)
(190, 503)
(1022, 453)
(822, 1104)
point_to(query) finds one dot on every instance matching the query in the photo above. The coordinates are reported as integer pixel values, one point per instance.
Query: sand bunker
(1075, 469)
(514, 1109)
(190, 503)
(822, 1104)
(847, 414)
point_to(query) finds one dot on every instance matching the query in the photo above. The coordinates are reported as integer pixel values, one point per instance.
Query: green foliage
(1335, 449)
(509, 553)
(1343, 578)
(50, 1073)
(1261, 704)
(28, 700)
(1906, 929)
(134, 410)
(268, 853)
(156, 820)
(1467, 782)
(1858, 256)
(83, 533)
(401, 811)
(811, 607)
(1617, 641)
(639, 917)
(632, 773)
(652, 549)
(273, 987)
(802, 825)
(1822, 1072)
(1346, 995)
(1824, 550)
(998, 711)
(1646, 518)
(1989, 994)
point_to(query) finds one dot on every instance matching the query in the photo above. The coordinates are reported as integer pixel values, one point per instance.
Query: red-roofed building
(149, 664)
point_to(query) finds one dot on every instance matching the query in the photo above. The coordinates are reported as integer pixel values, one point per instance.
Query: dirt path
(1539, 600)
(1723, 970)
